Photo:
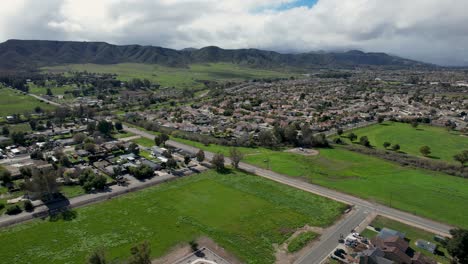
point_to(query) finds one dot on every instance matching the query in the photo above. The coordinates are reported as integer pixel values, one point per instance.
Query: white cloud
(430, 30)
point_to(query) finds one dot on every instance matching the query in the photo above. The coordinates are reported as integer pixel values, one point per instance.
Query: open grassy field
(430, 194)
(40, 90)
(177, 77)
(444, 145)
(412, 234)
(426, 193)
(14, 102)
(260, 213)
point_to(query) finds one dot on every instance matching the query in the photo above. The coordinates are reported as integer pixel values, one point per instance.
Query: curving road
(330, 240)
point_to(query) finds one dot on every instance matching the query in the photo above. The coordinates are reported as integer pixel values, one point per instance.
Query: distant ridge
(31, 54)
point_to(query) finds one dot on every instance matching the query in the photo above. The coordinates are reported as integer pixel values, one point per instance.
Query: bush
(2, 206)
(28, 206)
(13, 210)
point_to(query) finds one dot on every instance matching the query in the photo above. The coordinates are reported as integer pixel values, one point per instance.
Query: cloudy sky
(429, 30)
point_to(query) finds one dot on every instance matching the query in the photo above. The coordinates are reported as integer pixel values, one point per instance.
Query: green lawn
(122, 134)
(412, 234)
(178, 77)
(14, 102)
(72, 191)
(259, 213)
(444, 145)
(145, 142)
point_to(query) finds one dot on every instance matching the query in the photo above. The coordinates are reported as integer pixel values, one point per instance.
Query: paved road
(45, 100)
(329, 240)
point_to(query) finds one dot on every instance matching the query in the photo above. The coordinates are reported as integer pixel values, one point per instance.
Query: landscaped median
(260, 212)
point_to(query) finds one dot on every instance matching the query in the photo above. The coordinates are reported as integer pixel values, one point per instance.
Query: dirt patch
(282, 254)
(182, 250)
(304, 151)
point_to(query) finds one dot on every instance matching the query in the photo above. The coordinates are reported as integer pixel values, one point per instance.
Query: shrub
(13, 210)
(28, 206)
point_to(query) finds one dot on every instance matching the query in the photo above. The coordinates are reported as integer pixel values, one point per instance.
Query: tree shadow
(65, 214)
(433, 157)
(419, 129)
(382, 124)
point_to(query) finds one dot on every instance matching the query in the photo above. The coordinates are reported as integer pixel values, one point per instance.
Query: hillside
(31, 54)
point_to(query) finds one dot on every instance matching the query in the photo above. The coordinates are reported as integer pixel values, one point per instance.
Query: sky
(433, 31)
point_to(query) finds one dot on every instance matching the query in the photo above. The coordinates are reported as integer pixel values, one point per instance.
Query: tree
(78, 138)
(457, 246)
(5, 131)
(380, 119)
(461, 157)
(5, 176)
(28, 206)
(339, 131)
(134, 148)
(425, 150)
(141, 254)
(89, 181)
(18, 138)
(171, 163)
(161, 139)
(267, 139)
(218, 161)
(49, 92)
(97, 257)
(290, 134)
(90, 147)
(200, 156)
(164, 138)
(414, 123)
(396, 147)
(42, 185)
(33, 124)
(352, 136)
(118, 126)
(142, 172)
(386, 144)
(236, 157)
(187, 160)
(105, 127)
(364, 141)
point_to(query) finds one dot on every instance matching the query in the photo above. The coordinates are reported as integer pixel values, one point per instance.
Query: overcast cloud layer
(429, 30)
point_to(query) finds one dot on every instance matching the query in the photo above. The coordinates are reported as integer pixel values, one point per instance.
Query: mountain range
(18, 55)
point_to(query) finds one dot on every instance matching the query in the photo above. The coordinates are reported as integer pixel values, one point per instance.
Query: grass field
(260, 213)
(14, 102)
(412, 234)
(444, 145)
(426, 193)
(178, 77)
(300, 241)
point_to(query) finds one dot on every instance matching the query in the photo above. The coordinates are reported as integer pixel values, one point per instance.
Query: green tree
(457, 246)
(105, 127)
(352, 136)
(5, 131)
(134, 148)
(461, 157)
(49, 92)
(200, 156)
(42, 185)
(364, 141)
(387, 144)
(5, 176)
(218, 162)
(97, 257)
(236, 157)
(396, 147)
(141, 254)
(187, 160)
(339, 131)
(425, 150)
(118, 126)
(142, 172)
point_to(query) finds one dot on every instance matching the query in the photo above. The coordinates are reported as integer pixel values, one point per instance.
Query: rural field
(260, 213)
(444, 144)
(430, 194)
(14, 102)
(171, 76)
(412, 234)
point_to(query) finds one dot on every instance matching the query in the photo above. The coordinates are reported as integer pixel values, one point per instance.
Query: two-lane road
(329, 240)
